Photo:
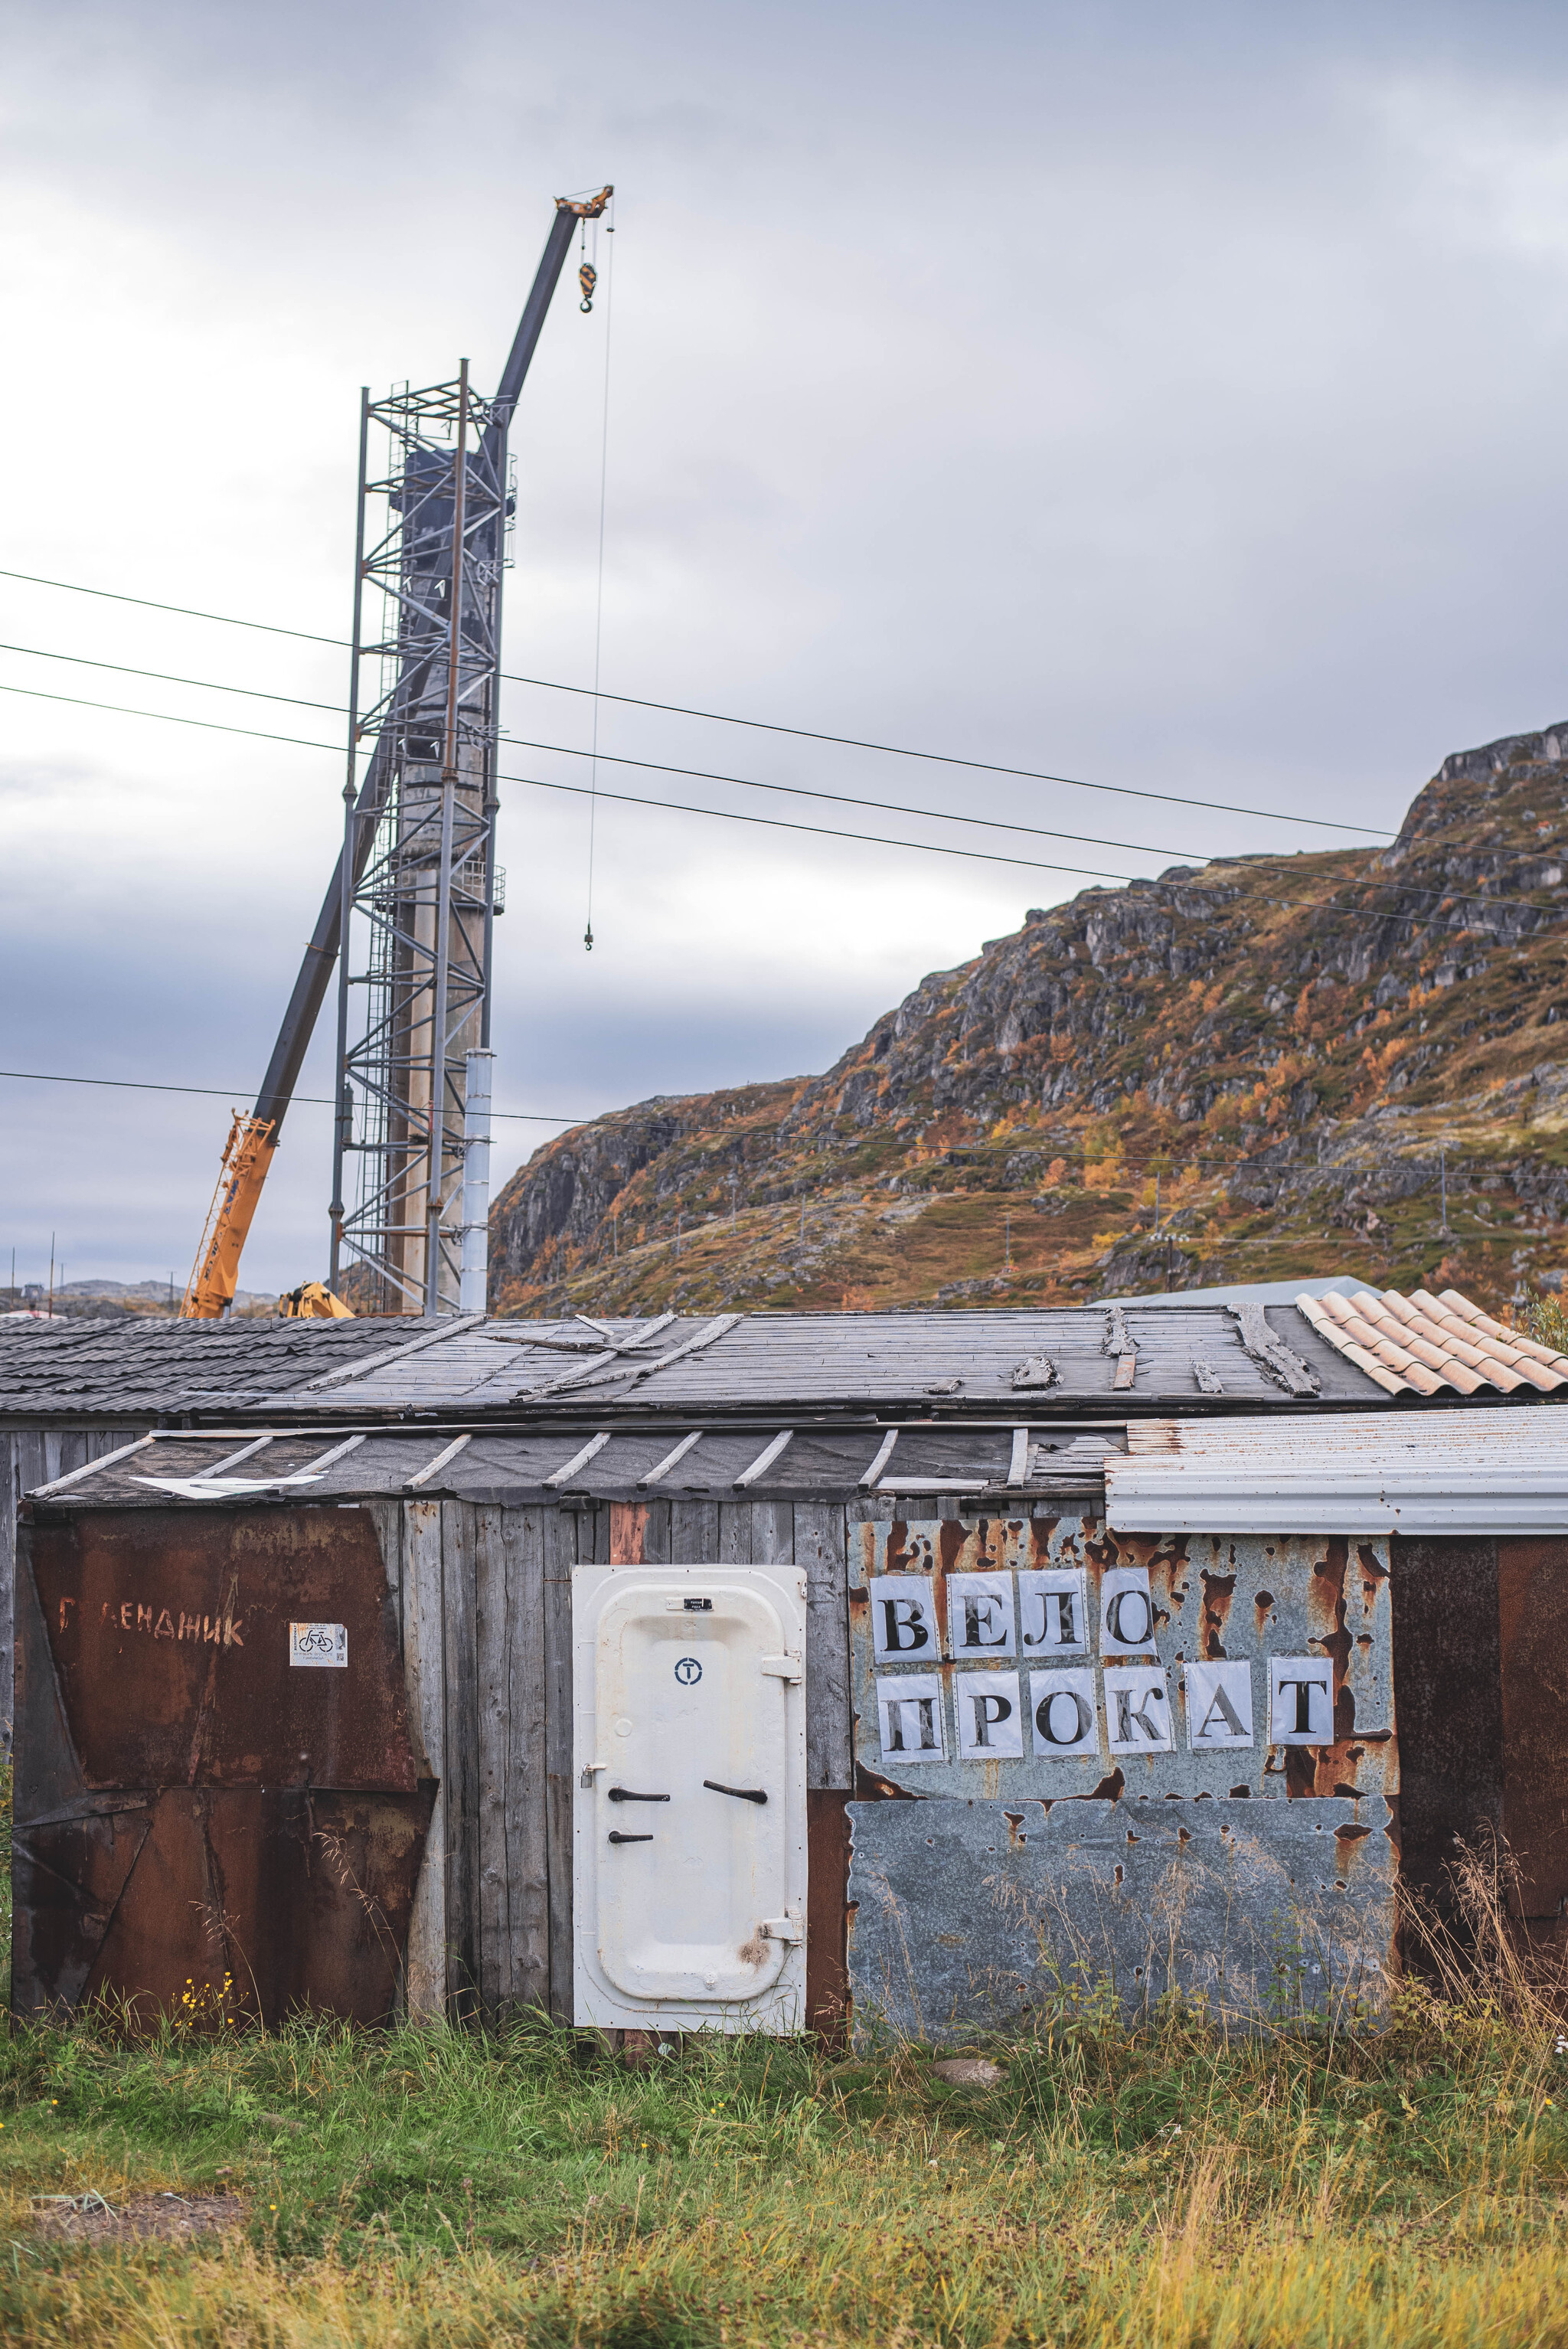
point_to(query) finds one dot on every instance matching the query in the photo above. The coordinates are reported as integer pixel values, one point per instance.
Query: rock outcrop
(1303, 1052)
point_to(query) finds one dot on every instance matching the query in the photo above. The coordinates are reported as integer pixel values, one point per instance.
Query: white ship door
(689, 1864)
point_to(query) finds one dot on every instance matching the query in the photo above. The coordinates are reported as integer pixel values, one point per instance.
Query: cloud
(1169, 398)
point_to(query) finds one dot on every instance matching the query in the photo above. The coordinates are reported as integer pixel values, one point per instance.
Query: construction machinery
(407, 919)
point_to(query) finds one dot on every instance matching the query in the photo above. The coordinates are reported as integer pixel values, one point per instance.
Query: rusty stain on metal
(1204, 1902)
(1219, 1589)
(1532, 1618)
(168, 1635)
(196, 1816)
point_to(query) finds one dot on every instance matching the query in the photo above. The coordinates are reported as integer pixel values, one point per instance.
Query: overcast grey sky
(1166, 395)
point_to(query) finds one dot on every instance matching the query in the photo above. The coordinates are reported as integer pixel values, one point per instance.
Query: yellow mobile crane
(253, 1138)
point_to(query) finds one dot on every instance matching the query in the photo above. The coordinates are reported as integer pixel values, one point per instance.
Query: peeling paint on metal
(1252, 1909)
(1236, 1598)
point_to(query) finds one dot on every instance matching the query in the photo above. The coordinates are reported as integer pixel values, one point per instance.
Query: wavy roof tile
(1422, 1344)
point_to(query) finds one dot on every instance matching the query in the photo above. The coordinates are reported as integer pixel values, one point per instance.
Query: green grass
(1404, 2185)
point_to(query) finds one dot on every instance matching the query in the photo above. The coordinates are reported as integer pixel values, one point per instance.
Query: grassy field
(1401, 2187)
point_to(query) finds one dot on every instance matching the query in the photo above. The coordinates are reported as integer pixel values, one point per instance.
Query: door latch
(781, 1667)
(741, 1794)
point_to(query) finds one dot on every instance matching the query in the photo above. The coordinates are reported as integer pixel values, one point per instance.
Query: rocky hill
(1259, 1069)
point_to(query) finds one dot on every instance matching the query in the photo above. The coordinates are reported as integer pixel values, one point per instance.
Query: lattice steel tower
(417, 876)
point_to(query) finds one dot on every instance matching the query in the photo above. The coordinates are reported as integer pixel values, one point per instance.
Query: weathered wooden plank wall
(29, 1457)
(484, 1598)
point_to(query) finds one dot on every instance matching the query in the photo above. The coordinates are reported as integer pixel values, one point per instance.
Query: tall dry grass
(1389, 2186)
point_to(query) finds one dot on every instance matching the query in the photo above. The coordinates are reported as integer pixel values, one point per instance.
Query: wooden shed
(770, 1671)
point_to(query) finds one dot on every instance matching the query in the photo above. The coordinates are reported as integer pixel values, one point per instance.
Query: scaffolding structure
(418, 874)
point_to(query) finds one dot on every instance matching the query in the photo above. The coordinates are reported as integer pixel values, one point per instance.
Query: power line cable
(694, 774)
(167, 717)
(566, 750)
(183, 611)
(615, 758)
(1286, 904)
(167, 677)
(229, 1093)
(1160, 1160)
(719, 718)
(817, 830)
(827, 833)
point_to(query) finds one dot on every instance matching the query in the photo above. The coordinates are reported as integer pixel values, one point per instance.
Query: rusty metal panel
(66, 1877)
(169, 1632)
(1239, 1600)
(1448, 1670)
(1532, 1618)
(259, 1904)
(219, 1809)
(967, 1915)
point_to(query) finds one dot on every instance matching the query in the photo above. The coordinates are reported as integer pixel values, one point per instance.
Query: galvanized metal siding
(1258, 1878)
(968, 1914)
(1241, 1599)
(1486, 1471)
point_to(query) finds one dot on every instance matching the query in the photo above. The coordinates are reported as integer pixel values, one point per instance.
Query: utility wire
(167, 717)
(184, 611)
(718, 718)
(254, 734)
(228, 1093)
(723, 815)
(646, 766)
(166, 677)
(1160, 1161)
(566, 750)
(819, 831)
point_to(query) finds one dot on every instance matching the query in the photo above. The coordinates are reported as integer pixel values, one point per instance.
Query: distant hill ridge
(1296, 1048)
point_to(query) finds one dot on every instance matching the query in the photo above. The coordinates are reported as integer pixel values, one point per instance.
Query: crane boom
(253, 1139)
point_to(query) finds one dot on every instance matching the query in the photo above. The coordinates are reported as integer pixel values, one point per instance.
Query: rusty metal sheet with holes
(202, 1827)
(169, 1631)
(241, 1902)
(1301, 1602)
(969, 1915)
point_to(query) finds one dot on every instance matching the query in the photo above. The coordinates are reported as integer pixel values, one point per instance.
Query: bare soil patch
(141, 2217)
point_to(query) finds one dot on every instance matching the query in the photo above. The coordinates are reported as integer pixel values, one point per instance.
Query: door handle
(625, 1795)
(616, 1836)
(741, 1794)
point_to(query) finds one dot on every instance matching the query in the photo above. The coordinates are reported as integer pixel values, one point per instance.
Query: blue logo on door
(688, 1671)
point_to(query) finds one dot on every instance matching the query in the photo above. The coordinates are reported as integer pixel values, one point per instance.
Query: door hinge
(782, 1929)
(781, 1667)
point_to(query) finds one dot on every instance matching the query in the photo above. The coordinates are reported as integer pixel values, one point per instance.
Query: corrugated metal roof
(1458, 1471)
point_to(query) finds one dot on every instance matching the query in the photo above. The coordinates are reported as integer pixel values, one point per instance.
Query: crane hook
(588, 939)
(587, 277)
